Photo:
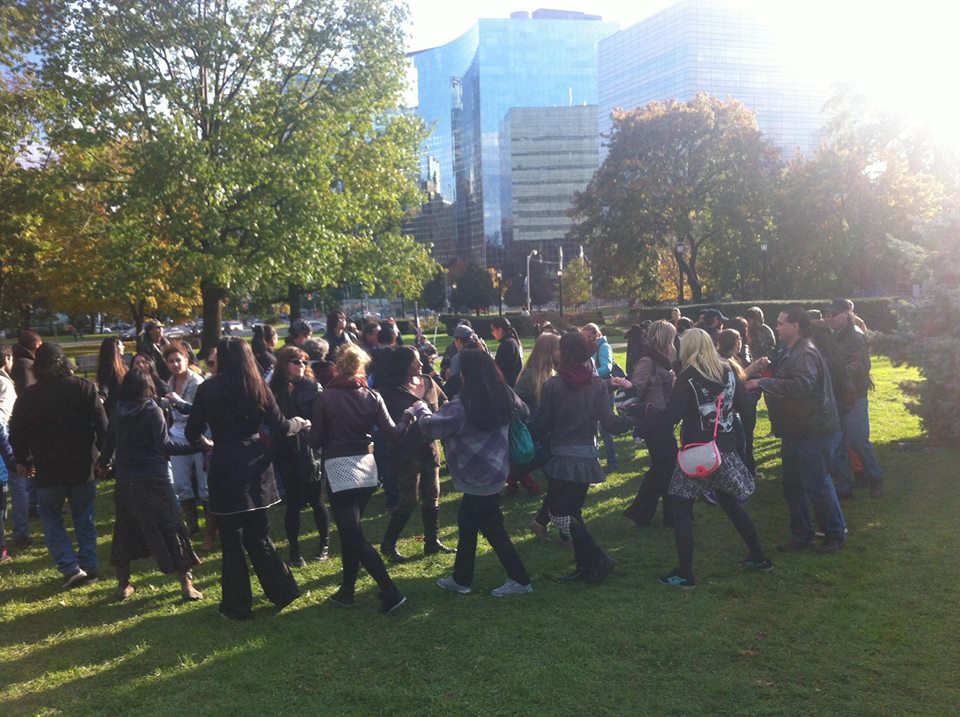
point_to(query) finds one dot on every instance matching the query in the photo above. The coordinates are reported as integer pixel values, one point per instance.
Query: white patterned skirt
(348, 472)
(731, 477)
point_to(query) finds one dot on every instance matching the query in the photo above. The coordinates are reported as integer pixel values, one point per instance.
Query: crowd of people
(326, 421)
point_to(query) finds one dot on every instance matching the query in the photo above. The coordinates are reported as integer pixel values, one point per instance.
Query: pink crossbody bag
(699, 460)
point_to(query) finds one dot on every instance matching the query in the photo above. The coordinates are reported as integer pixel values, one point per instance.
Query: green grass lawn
(868, 631)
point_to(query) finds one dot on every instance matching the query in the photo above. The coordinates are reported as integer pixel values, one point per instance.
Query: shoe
(125, 591)
(876, 491)
(600, 571)
(830, 545)
(394, 556)
(236, 616)
(538, 530)
(341, 598)
(23, 542)
(92, 576)
(78, 577)
(576, 576)
(675, 580)
(188, 593)
(793, 546)
(297, 561)
(5, 557)
(512, 587)
(437, 547)
(710, 498)
(391, 600)
(323, 553)
(448, 583)
(764, 566)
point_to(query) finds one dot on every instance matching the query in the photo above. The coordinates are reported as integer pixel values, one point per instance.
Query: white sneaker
(512, 587)
(78, 577)
(448, 583)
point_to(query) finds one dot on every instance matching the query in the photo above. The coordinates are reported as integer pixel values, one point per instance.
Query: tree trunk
(690, 270)
(138, 312)
(213, 297)
(294, 295)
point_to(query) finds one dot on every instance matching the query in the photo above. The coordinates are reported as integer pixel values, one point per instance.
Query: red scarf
(576, 375)
(348, 382)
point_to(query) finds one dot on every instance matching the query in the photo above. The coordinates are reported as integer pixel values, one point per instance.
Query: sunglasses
(299, 362)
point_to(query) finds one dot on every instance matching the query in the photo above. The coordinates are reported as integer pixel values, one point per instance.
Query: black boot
(431, 532)
(189, 510)
(389, 545)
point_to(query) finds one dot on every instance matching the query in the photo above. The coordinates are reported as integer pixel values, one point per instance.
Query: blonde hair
(661, 335)
(352, 361)
(541, 363)
(592, 328)
(697, 350)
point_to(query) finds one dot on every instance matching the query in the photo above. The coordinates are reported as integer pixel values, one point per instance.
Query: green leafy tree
(258, 145)
(695, 173)
(576, 283)
(475, 289)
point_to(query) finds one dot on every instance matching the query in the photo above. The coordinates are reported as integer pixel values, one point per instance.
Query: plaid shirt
(479, 461)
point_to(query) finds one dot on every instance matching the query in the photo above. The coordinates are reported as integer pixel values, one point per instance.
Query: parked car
(317, 327)
(232, 327)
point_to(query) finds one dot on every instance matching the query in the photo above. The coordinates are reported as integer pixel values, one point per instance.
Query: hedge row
(525, 325)
(877, 312)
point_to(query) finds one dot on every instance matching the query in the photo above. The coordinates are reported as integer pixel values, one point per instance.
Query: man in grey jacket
(855, 420)
(803, 413)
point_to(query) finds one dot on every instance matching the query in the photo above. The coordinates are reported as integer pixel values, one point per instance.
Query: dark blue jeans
(81, 498)
(856, 435)
(19, 505)
(806, 478)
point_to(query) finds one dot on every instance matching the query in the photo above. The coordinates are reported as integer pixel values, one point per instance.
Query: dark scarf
(348, 382)
(576, 375)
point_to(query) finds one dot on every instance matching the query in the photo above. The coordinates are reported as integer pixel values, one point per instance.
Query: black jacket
(343, 420)
(414, 445)
(800, 395)
(510, 359)
(855, 354)
(138, 442)
(295, 458)
(240, 478)
(55, 426)
(694, 401)
(568, 416)
(22, 371)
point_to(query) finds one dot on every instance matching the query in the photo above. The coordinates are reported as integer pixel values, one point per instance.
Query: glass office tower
(711, 46)
(464, 91)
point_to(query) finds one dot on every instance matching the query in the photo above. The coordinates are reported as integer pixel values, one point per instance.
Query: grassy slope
(868, 631)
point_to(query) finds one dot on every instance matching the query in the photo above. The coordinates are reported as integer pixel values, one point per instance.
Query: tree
(543, 284)
(867, 193)
(697, 174)
(576, 282)
(475, 289)
(258, 146)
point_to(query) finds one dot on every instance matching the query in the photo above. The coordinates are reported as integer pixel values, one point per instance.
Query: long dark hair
(262, 332)
(486, 398)
(137, 386)
(333, 318)
(279, 380)
(393, 365)
(504, 325)
(246, 390)
(110, 366)
(51, 363)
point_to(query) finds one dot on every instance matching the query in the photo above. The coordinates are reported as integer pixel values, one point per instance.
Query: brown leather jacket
(343, 418)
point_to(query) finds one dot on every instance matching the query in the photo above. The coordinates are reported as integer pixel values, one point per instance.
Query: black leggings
(348, 507)
(683, 529)
(482, 514)
(300, 494)
(566, 501)
(662, 446)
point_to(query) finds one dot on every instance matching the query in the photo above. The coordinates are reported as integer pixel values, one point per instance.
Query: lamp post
(680, 248)
(560, 290)
(500, 289)
(529, 257)
(763, 270)
(446, 292)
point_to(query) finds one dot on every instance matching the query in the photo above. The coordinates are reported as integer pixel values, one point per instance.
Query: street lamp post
(529, 256)
(500, 289)
(763, 270)
(680, 248)
(560, 290)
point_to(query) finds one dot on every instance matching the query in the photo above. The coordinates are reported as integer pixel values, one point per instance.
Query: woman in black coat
(236, 404)
(295, 389)
(509, 356)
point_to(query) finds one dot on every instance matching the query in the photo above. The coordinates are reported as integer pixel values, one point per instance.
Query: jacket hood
(21, 352)
(131, 409)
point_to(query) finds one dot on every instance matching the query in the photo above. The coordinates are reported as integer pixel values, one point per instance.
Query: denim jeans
(806, 477)
(81, 498)
(19, 505)
(856, 435)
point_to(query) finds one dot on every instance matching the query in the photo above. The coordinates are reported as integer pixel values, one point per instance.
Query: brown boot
(187, 591)
(124, 590)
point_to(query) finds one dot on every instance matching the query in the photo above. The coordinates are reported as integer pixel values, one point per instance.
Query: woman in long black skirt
(147, 515)
(237, 406)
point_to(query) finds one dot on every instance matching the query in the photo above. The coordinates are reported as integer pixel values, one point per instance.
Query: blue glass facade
(465, 90)
(710, 46)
